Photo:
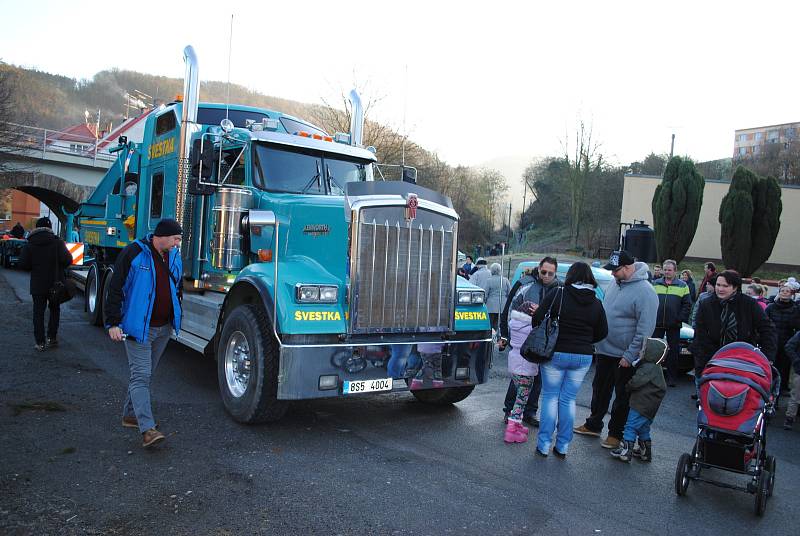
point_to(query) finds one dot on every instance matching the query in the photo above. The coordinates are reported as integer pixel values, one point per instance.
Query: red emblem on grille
(411, 206)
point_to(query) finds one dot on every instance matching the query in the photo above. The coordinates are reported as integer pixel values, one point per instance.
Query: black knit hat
(44, 222)
(168, 227)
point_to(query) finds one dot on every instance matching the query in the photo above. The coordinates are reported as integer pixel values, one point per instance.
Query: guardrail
(26, 139)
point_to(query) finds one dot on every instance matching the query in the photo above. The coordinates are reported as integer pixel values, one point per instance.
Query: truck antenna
(230, 46)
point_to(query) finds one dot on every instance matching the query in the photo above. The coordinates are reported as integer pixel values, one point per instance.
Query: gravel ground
(373, 465)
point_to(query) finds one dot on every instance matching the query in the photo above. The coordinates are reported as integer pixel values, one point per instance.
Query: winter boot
(647, 451)
(624, 452)
(637, 449)
(515, 433)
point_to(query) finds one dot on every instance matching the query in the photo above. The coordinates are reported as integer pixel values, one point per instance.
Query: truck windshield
(306, 172)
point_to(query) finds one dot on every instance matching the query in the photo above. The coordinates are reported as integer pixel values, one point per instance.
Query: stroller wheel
(762, 492)
(682, 478)
(771, 466)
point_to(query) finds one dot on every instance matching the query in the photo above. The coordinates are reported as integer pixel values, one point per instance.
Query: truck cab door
(156, 204)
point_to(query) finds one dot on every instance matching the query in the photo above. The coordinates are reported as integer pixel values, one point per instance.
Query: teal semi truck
(305, 275)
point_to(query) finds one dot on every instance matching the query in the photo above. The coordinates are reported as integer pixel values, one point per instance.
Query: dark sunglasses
(545, 272)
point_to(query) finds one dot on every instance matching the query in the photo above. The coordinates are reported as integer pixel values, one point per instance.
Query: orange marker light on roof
(178, 98)
(327, 138)
(316, 136)
(304, 134)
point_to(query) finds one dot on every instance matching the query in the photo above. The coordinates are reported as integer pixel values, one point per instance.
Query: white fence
(29, 141)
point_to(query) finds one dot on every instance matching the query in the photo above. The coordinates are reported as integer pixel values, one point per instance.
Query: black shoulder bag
(63, 288)
(540, 344)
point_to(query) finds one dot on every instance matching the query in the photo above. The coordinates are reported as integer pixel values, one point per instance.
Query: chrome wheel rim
(91, 294)
(237, 364)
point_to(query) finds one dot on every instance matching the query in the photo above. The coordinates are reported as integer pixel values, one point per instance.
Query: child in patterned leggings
(516, 432)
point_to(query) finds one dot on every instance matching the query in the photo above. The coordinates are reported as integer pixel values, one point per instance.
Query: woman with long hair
(582, 322)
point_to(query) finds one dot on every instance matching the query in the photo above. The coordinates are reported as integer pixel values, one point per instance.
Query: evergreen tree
(676, 208)
(750, 219)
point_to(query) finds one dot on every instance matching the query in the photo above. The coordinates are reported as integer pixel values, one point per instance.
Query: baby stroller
(738, 393)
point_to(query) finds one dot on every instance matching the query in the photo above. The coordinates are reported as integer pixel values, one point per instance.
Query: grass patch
(697, 271)
(46, 405)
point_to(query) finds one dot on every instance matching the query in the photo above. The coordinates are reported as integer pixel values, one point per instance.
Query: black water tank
(640, 241)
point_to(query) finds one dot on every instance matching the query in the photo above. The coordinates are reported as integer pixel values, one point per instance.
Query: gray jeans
(794, 396)
(143, 360)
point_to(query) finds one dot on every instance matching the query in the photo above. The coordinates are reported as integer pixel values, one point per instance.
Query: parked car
(10, 250)
(604, 279)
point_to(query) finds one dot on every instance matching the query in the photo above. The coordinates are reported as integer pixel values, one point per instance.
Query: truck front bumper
(315, 371)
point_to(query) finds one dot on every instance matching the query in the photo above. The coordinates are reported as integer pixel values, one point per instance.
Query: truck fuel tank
(231, 204)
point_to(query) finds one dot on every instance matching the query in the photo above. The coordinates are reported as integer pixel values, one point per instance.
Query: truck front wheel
(442, 397)
(247, 367)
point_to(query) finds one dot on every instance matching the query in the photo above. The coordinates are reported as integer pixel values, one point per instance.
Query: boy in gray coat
(646, 389)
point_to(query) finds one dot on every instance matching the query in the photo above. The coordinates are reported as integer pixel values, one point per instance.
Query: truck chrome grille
(404, 272)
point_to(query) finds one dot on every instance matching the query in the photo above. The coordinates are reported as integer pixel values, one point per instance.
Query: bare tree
(387, 142)
(10, 135)
(585, 161)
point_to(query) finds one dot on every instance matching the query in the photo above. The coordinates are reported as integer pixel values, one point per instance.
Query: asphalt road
(374, 465)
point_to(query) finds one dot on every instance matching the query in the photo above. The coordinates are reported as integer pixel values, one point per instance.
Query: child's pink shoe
(515, 433)
(438, 383)
(416, 384)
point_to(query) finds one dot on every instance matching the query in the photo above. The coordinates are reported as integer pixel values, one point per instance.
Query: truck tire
(443, 397)
(247, 367)
(109, 273)
(91, 297)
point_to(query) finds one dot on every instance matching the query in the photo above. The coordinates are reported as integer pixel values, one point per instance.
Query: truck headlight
(328, 294)
(477, 297)
(316, 293)
(464, 297)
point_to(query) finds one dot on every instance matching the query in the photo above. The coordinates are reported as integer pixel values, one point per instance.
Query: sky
(473, 81)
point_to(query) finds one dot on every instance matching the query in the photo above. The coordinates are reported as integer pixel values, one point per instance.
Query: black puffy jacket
(46, 256)
(753, 327)
(786, 317)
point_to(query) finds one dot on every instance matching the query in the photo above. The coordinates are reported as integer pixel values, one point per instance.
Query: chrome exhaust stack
(356, 119)
(183, 205)
(191, 100)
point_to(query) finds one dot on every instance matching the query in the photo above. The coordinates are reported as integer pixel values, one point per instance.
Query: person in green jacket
(647, 389)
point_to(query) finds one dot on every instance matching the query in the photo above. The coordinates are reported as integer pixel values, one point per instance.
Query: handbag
(63, 288)
(540, 344)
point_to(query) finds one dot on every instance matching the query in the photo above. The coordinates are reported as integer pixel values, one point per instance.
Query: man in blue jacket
(143, 308)
(674, 308)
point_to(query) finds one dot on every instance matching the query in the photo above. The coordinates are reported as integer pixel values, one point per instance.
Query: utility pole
(672, 147)
(508, 240)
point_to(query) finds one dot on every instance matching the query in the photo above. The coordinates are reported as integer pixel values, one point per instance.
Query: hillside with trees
(53, 101)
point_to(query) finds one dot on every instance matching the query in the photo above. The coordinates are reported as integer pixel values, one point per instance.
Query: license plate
(367, 386)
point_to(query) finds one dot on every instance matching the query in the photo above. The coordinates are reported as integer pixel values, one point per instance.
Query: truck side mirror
(206, 158)
(410, 174)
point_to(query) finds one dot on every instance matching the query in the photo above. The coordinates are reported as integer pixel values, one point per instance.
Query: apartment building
(750, 142)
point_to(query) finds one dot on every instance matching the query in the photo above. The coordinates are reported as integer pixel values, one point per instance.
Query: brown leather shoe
(585, 431)
(151, 437)
(610, 442)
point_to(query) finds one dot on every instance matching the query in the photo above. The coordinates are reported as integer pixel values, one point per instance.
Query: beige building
(638, 196)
